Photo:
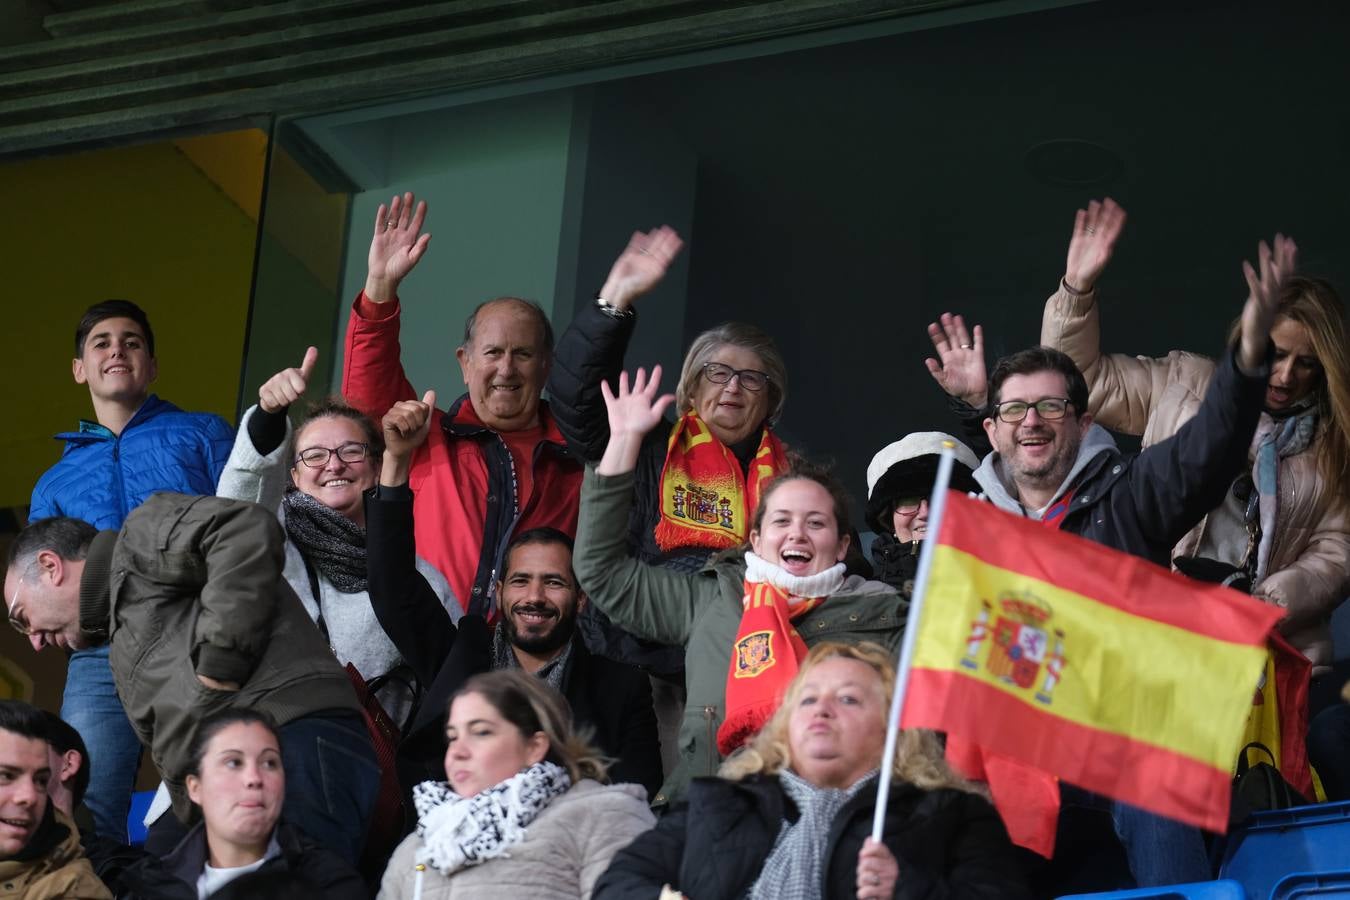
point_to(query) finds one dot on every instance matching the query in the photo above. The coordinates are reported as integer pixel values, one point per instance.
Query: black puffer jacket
(1144, 504)
(590, 352)
(948, 843)
(175, 876)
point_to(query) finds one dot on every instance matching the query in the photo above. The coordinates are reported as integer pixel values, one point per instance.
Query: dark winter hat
(907, 468)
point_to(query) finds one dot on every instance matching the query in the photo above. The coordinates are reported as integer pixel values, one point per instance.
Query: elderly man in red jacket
(495, 463)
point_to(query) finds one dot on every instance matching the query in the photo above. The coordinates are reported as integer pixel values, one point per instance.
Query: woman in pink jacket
(1283, 530)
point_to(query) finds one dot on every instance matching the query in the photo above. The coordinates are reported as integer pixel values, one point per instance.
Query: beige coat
(1309, 570)
(564, 853)
(62, 873)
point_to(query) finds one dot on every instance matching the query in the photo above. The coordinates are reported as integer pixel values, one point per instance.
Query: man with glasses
(190, 600)
(1051, 463)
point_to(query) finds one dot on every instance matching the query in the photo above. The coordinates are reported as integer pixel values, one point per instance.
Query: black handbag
(1260, 787)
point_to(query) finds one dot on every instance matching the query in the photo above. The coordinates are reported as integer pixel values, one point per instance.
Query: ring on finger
(967, 346)
(875, 879)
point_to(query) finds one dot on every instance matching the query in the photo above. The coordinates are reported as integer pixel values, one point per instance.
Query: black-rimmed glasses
(350, 452)
(1013, 411)
(751, 379)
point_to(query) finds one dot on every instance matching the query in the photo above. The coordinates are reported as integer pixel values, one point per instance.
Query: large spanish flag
(1098, 667)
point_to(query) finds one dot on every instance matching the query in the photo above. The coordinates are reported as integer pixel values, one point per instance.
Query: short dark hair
(800, 468)
(63, 737)
(1039, 359)
(216, 722)
(545, 326)
(542, 535)
(68, 538)
(23, 719)
(113, 309)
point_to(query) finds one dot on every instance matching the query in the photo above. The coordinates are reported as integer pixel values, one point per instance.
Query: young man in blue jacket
(137, 444)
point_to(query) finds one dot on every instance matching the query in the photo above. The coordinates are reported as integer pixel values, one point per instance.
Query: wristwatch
(611, 310)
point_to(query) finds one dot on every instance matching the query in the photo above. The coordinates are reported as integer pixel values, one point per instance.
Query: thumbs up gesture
(405, 428)
(288, 385)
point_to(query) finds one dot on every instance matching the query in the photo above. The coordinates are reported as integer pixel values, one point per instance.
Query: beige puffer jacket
(63, 872)
(1309, 571)
(565, 851)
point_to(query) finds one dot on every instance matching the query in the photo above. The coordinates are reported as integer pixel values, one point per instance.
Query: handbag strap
(402, 673)
(1242, 765)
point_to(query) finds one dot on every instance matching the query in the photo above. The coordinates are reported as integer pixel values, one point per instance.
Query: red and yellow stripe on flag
(1098, 667)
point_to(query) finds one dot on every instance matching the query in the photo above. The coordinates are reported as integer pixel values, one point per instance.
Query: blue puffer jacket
(102, 477)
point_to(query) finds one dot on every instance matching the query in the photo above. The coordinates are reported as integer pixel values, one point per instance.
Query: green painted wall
(494, 176)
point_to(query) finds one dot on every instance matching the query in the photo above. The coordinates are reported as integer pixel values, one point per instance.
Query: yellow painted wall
(143, 223)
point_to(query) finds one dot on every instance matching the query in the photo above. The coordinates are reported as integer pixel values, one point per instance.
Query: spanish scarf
(768, 649)
(706, 501)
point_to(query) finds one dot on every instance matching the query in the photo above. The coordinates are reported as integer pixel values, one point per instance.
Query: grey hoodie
(993, 477)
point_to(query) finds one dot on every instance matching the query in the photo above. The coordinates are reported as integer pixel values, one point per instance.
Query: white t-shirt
(213, 879)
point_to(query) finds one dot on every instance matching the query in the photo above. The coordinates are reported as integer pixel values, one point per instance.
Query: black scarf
(895, 562)
(328, 540)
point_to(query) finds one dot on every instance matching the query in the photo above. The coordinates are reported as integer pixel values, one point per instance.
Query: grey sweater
(353, 631)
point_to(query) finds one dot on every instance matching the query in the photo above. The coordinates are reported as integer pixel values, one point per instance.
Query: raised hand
(641, 266)
(396, 246)
(1095, 230)
(959, 369)
(1263, 299)
(288, 385)
(632, 413)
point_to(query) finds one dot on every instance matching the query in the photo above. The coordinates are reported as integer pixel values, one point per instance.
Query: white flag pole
(937, 503)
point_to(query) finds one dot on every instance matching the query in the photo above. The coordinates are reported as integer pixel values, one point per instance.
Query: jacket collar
(993, 477)
(96, 588)
(461, 420)
(93, 431)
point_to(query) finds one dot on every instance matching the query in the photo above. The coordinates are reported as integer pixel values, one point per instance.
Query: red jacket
(464, 490)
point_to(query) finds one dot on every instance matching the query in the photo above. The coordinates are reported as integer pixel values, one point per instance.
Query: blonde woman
(524, 811)
(791, 814)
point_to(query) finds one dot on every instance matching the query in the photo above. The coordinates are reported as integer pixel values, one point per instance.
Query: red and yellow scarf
(705, 499)
(764, 660)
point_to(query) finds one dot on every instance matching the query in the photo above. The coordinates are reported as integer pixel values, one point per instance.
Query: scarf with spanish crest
(768, 650)
(706, 501)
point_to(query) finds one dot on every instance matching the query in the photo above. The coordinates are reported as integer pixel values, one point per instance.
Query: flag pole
(937, 503)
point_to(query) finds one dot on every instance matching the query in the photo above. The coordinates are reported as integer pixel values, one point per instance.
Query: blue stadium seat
(1292, 847)
(140, 804)
(1200, 890)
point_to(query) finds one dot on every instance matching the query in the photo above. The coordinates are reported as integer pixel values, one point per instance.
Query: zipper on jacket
(709, 714)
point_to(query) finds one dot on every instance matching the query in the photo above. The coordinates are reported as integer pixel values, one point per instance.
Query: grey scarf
(328, 541)
(795, 867)
(504, 657)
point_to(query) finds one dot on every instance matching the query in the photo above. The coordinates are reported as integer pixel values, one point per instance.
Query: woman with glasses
(747, 618)
(700, 476)
(331, 463)
(899, 482)
(1284, 529)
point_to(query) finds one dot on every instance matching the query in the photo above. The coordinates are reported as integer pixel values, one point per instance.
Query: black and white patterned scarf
(328, 540)
(465, 831)
(795, 867)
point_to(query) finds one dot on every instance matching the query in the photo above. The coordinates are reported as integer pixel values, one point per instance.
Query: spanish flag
(1089, 664)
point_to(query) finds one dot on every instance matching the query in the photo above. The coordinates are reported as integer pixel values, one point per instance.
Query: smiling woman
(237, 781)
(1284, 528)
(745, 630)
